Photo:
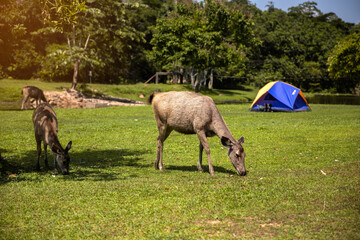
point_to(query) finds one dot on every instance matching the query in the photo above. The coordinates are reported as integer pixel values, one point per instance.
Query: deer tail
(149, 101)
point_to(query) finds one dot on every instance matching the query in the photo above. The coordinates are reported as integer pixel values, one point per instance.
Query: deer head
(236, 154)
(62, 157)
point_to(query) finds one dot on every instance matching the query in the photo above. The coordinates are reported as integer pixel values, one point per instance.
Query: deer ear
(241, 140)
(226, 142)
(68, 146)
(55, 148)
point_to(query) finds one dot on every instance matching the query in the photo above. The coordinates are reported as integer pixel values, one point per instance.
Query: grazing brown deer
(32, 92)
(192, 113)
(46, 128)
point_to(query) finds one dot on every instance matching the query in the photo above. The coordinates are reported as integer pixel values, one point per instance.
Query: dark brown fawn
(46, 128)
(32, 92)
(192, 113)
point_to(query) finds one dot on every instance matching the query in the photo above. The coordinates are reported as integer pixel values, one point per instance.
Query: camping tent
(279, 96)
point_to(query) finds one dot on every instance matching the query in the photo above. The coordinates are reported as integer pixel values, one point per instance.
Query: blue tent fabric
(281, 97)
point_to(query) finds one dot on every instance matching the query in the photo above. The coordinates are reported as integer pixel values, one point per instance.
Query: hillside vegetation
(11, 91)
(112, 41)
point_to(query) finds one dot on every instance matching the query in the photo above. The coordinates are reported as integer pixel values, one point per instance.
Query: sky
(347, 10)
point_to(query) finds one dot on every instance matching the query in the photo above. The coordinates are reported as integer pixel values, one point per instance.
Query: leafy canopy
(344, 61)
(204, 36)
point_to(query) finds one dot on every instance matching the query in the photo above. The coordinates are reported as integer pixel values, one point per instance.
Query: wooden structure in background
(156, 76)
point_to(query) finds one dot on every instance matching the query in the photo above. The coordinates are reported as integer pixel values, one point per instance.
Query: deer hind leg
(164, 132)
(203, 141)
(199, 165)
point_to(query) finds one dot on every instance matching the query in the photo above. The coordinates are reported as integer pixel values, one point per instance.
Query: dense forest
(217, 43)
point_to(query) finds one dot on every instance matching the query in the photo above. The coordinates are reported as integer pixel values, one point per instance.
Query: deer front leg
(199, 165)
(46, 160)
(159, 151)
(164, 132)
(23, 103)
(203, 141)
(55, 164)
(38, 147)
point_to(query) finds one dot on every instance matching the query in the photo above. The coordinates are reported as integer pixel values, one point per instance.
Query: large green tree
(119, 36)
(202, 37)
(103, 35)
(63, 16)
(344, 62)
(21, 45)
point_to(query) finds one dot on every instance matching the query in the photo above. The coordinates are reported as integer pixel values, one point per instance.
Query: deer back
(45, 123)
(187, 111)
(33, 92)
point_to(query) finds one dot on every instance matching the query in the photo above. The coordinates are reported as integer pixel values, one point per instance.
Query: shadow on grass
(89, 165)
(96, 165)
(193, 168)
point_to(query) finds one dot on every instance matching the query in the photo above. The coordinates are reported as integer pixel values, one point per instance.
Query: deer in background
(46, 128)
(192, 113)
(32, 92)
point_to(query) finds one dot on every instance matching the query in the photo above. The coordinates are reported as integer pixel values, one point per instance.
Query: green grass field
(303, 178)
(113, 190)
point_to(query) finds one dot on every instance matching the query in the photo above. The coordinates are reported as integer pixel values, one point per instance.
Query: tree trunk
(211, 82)
(77, 61)
(203, 79)
(192, 77)
(197, 85)
(174, 78)
(76, 74)
(181, 76)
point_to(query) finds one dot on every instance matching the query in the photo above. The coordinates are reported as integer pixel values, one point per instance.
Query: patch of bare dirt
(74, 99)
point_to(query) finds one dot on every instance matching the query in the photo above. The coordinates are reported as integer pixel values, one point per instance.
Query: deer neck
(52, 139)
(220, 128)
